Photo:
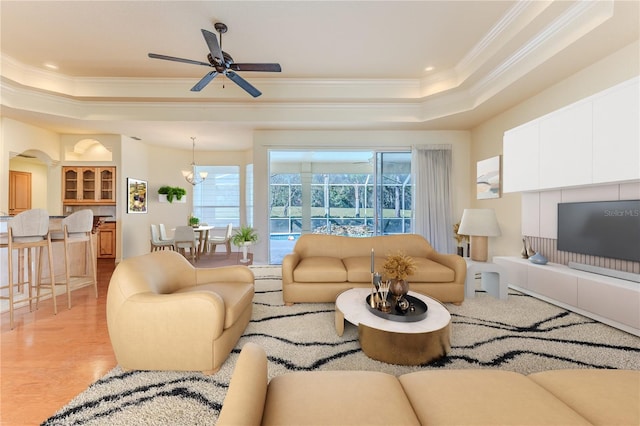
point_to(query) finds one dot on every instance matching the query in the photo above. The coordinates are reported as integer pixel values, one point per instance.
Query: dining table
(203, 236)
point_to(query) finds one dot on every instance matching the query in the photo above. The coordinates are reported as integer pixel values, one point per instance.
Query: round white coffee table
(394, 342)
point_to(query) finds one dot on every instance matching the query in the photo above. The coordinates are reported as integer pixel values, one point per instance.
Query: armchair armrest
(452, 261)
(154, 323)
(247, 394)
(289, 263)
(237, 273)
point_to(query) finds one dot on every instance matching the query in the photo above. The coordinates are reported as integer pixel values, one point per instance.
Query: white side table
(491, 279)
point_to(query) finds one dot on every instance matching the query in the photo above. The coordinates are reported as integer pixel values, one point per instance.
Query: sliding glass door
(354, 193)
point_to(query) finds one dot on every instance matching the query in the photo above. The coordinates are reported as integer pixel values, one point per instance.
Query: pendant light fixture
(190, 175)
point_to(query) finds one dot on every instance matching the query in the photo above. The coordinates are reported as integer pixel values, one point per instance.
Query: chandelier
(190, 175)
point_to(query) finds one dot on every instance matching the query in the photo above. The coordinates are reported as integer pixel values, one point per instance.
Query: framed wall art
(488, 178)
(136, 196)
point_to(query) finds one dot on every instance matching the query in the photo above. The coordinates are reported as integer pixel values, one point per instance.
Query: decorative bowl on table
(416, 310)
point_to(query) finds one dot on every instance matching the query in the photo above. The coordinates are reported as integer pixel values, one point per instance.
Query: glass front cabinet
(88, 185)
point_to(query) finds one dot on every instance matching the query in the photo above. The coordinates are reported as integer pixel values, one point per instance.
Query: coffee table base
(402, 348)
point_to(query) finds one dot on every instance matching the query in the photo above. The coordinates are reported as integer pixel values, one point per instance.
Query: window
(249, 194)
(345, 193)
(216, 201)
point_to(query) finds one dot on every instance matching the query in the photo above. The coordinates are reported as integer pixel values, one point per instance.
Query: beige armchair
(164, 314)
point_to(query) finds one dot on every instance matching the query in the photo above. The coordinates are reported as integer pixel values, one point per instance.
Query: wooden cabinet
(88, 185)
(107, 241)
(19, 192)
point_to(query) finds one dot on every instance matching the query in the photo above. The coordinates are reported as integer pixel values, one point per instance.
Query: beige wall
(487, 138)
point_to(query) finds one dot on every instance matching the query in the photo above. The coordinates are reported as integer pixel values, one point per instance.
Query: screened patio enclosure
(352, 193)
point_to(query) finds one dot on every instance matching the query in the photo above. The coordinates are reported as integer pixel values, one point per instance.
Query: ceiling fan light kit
(190, 175)
(222, 63)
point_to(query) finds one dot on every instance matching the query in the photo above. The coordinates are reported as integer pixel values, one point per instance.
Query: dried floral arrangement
(398, 266)
(460, 238)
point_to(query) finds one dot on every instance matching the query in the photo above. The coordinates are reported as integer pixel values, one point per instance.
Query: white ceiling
(345, 64)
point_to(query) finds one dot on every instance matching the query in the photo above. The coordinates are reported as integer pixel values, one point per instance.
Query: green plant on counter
(246, 234)
(172, 191)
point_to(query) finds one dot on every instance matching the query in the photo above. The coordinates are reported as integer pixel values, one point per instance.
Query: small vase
(398, 288)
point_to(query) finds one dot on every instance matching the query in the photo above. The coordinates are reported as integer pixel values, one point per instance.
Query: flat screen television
(602, 228)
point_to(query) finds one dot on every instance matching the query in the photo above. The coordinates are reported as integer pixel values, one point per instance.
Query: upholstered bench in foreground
(429, 397)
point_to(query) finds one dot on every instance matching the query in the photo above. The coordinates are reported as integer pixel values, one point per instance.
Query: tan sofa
(429, 397)
(164, 314)
(322, 266)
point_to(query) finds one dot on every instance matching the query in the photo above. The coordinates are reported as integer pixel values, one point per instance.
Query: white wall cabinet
(565, 147)
(613, 301)
(521, 165)
(616, 134)
(593, 141)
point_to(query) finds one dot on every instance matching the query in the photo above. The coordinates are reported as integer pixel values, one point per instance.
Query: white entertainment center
(613, 301)
(587, 151)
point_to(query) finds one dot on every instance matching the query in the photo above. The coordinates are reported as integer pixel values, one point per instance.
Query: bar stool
(157, 243)
(28, 230)
(76, 228)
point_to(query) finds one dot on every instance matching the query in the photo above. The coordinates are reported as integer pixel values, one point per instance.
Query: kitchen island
(80, 258)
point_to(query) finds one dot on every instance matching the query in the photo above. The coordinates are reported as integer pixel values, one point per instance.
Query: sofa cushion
(236, 296)
(337, 398)
(601, 396)
(483, 397)
(320, 269)
(359, 268)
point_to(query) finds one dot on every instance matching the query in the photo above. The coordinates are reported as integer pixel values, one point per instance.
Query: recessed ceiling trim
(576, 22)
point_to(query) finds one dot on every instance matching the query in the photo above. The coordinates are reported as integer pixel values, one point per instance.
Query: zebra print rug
(520, 334)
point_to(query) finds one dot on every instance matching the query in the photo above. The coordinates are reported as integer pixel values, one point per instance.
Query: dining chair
(184, 238)
(225, 239)
(76, 228)
(163, 233)
(157, 243)
(26, 231)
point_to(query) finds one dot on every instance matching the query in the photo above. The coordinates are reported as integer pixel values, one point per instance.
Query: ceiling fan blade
(204, 81)
(256, 67)
(212, 43)
(243, 83)
(173, 58)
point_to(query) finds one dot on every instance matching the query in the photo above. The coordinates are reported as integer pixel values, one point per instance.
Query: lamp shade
(479, 222)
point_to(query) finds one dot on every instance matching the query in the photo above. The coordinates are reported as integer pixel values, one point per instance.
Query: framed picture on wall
(488, 178)
(136, 195)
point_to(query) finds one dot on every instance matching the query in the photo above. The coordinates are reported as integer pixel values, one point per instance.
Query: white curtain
(432, 201)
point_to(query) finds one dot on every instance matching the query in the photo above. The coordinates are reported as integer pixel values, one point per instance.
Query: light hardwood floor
(48, 359)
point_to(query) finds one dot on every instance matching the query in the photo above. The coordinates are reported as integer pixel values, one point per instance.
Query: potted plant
(193, 221)
(244, 237)
(171, 192)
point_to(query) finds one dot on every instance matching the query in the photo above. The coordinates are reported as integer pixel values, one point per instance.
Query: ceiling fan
(222, 63)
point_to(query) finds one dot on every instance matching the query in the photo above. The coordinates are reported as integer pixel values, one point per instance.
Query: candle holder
(383, 291)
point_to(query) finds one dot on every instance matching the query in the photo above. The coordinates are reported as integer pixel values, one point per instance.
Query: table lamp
(479, 224)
